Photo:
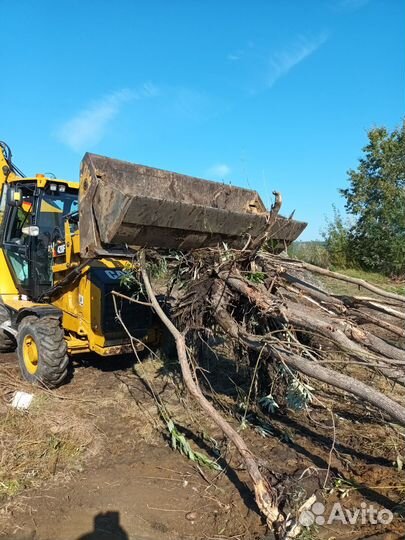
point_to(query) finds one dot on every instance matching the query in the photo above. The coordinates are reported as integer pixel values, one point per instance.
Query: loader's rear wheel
(42, 351)
(7, 342)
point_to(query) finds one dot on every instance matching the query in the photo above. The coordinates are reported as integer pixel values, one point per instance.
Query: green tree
(337, 242)
(375, 199)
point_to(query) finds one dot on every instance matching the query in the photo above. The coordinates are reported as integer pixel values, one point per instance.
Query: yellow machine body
(82, 303)
(66, 247)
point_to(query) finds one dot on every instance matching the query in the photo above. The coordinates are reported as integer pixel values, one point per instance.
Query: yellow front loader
(64, 247)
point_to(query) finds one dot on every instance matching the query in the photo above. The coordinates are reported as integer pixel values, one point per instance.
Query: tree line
(372, 236)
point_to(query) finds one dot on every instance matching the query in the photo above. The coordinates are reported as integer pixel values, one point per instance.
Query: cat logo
(60, 249)
(114, 274)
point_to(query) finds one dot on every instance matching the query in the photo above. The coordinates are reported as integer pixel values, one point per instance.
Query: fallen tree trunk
(345, 335)
(254, 301)
(388, 310)
(343, 277)
(313, 369)
(355, 387)
(367, 318)
(265, 495)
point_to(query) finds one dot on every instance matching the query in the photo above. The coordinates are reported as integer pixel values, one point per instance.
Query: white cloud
(284, 61)
(220, 170)
(89, 126)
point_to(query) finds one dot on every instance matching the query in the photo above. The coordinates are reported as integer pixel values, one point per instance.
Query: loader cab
(32, 222)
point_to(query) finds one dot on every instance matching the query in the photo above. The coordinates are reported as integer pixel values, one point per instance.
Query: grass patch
(340, 287)
(309, 533)
(376, 279)
(46, 441)
(317, 254)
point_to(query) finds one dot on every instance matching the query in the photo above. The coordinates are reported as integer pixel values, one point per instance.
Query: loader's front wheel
(41, 349)
(7, 342)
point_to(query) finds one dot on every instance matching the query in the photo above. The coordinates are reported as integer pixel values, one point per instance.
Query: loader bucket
(123, 204)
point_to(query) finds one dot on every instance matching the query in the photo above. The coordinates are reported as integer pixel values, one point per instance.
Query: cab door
(16, 223)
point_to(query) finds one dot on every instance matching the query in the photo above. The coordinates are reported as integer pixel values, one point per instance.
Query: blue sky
(263, 94)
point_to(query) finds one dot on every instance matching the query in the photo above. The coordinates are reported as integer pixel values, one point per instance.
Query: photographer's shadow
(106, 527)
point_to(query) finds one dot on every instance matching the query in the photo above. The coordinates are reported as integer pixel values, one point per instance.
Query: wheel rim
(30, 352)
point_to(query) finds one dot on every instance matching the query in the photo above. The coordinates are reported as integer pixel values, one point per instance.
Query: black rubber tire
(7, 342)
(52, 351)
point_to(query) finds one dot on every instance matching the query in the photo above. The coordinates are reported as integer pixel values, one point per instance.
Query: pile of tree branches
(274, 314)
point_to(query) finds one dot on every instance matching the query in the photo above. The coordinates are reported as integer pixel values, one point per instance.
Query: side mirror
(14, 196)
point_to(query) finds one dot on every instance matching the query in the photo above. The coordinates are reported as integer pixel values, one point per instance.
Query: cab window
(3, 205)
(53, 209)
(21, 216)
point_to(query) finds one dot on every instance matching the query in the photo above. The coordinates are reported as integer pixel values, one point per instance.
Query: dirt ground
(93, 460)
